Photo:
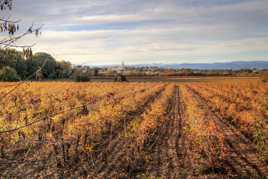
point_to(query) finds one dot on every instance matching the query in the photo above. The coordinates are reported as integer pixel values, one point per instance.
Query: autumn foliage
(65, 129)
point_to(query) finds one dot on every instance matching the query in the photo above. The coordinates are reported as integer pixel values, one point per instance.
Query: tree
(43, 63)
(49, 69)
(8, 74)
(63, 69)
(14, 59)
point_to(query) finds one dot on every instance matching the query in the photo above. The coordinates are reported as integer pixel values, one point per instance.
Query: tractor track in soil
(182, 143)
(162, 165)
(243, 159)
(165, 152)
(169, 153)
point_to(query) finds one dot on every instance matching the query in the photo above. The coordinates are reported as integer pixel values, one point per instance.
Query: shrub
(9, 74)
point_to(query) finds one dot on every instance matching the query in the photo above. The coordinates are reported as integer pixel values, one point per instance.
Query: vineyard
(134, 130)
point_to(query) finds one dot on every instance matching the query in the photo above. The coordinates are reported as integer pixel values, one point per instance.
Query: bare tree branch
(12, 26)
(10, 21)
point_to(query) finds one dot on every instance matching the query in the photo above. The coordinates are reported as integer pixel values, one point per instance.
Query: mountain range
(235, 65)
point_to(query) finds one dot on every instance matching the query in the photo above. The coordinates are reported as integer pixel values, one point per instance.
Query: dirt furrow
(171, 155)
(244, 163)
(182, 158)
(168, 152)
(164, 148)
(174, 159)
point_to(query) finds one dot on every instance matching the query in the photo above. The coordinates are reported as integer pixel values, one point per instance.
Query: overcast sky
(148, 31)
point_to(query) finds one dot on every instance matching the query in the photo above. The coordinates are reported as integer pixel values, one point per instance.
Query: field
(209, 129)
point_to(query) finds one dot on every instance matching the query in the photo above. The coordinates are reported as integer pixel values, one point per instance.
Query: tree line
(15, 66)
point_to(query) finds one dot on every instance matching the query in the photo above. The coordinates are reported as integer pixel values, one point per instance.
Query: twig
(10, 21)
(39, 120)
(9, 41)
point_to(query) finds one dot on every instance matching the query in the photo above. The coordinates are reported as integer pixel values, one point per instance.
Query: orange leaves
(154, 117)
(247, 118)
(67, 112)
(203, 134)
(241, 102)
(88, 148)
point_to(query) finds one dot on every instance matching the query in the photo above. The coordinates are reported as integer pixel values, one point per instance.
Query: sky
(101, 32)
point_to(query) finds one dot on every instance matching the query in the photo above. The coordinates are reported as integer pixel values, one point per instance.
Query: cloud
(102, 19)
(137, 31)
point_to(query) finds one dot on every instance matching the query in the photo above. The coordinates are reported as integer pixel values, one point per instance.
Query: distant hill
(236, 65)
